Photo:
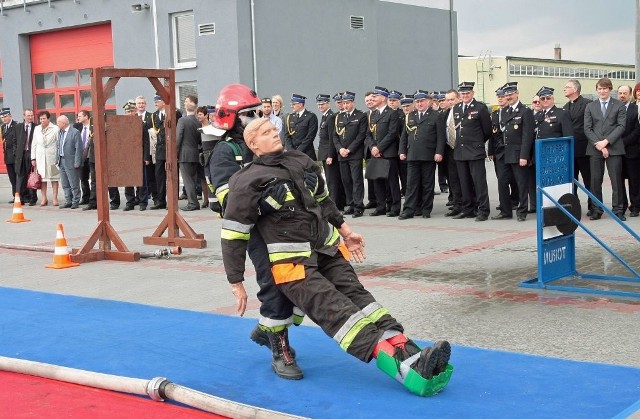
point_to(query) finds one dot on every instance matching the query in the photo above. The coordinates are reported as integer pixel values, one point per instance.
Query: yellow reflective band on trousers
(284, 251)
(350, 329)
(374, 311)
(233, 230)
(298, 316)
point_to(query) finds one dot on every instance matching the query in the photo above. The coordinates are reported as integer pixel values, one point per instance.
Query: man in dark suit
(138, 195)
(300, 127)
(604, 123)
(383, 141)
(495, 151)
(576, 107)
(554, 122)
(87, 181)
(158, 123)
(9, 148)
(473, 128)
(631, 160)
(149, 167)
(451, 98)
(70, 152)
(422, 146)
(349, 131)
(327, 153)
(518, 130)
(24, 138)
(188, 140)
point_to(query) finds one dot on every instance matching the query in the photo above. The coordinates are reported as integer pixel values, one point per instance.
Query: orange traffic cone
(61, 258)
(18, 215)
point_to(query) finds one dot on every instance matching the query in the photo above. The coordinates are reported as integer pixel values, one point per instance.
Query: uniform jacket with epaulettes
(300, 131)
(495, 146)
(519, 132)
(383, 132)
(422, 139)
(349, 131)
(555, 123)
(473, 129)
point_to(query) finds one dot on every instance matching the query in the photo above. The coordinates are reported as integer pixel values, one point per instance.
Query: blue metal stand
(556, 251)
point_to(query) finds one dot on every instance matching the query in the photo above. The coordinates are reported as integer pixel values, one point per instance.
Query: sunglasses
(545, 98)
(535, 102)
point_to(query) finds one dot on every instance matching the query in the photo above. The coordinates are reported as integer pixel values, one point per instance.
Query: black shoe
(426, 215)
(377, 213)
(443, 359)
(89, 207)
(502, 217)
(621, 217)
(349, 211)
(84, 202)
(595, 216)
(158, 206)
(283, 363)
(393, 214)
(11, 202)
(65, 205)
(370, 205)
(114, 206)
(32, 203)
(482, 217)
(522, 218)
(634, 213)
(128, 208)
(357, 214)
(190, 208)
(143, 207)
(452, 213)
(404, 216)
(427, 363)
(182, 197)
(532, 211)
(74, 206)
(460, 216)
(589, 213)
(449, 203)
(261, 337)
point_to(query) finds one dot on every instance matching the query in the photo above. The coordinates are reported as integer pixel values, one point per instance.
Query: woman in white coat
(44, 155)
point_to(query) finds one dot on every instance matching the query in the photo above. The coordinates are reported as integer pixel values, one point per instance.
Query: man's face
(296, 106)
(624, 94)
(369, 102)
(547, 102)
(340, 105)
(393, 103)
(202, 117)
(28, 117)
(467, 97)
(267, 140)
(62, 123)
(266, 109)
(348, 105)
(81, 118)
(159, 104)
(322, 107)
(379, 100)
(569, 89)
(441, 104)
(189, 106)
(408, 108)
(512, 98)
(131, 112)
(537, 106)
(44, 121)
(141, 105)
(603, 92)
(502, 101)
(6, 119)
(450, 99)
(422, 104)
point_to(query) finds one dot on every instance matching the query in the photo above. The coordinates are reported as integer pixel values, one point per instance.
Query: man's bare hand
(355, 244)
(241, 297)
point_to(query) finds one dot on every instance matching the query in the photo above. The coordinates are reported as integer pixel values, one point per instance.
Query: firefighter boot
(283, 363)
(261, 337)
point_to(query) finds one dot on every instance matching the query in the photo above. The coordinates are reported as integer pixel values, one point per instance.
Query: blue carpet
(213, 354)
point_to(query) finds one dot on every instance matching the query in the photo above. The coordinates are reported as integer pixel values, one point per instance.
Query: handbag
(35, 180)
(377, 168)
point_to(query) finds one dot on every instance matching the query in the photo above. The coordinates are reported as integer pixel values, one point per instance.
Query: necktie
(61, 143)
(84, 137)
(604, 108)
(420, 116)
(26, 136)
(464, 108)
(451, 129)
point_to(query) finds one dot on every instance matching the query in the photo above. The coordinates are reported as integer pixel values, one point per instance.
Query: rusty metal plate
(124, 150)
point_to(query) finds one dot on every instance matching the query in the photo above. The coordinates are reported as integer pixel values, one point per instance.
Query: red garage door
(61, 63)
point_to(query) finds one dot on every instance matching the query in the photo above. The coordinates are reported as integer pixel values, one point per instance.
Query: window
(185, 89)
(184, 40)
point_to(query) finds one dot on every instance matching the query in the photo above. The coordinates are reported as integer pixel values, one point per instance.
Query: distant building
(47, 48)
(491, 72)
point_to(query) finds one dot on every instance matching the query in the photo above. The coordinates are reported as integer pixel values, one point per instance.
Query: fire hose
(158, 389)
(157, 254)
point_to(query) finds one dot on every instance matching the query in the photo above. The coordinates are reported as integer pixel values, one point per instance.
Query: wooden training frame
(173, 222)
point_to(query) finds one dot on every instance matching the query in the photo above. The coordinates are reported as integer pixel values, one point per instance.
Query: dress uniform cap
(211, 109)
(421, 94)
(5, 112)
(406, 100)
(466, 86)
(298, 98)
(545, 91)
(510, 87)
(348, 95)
(157, 98)
(338, 97)
(321, 98)
(394, 94)
(439, 95)
(129, 106)
(499, 91)
(381, 91)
